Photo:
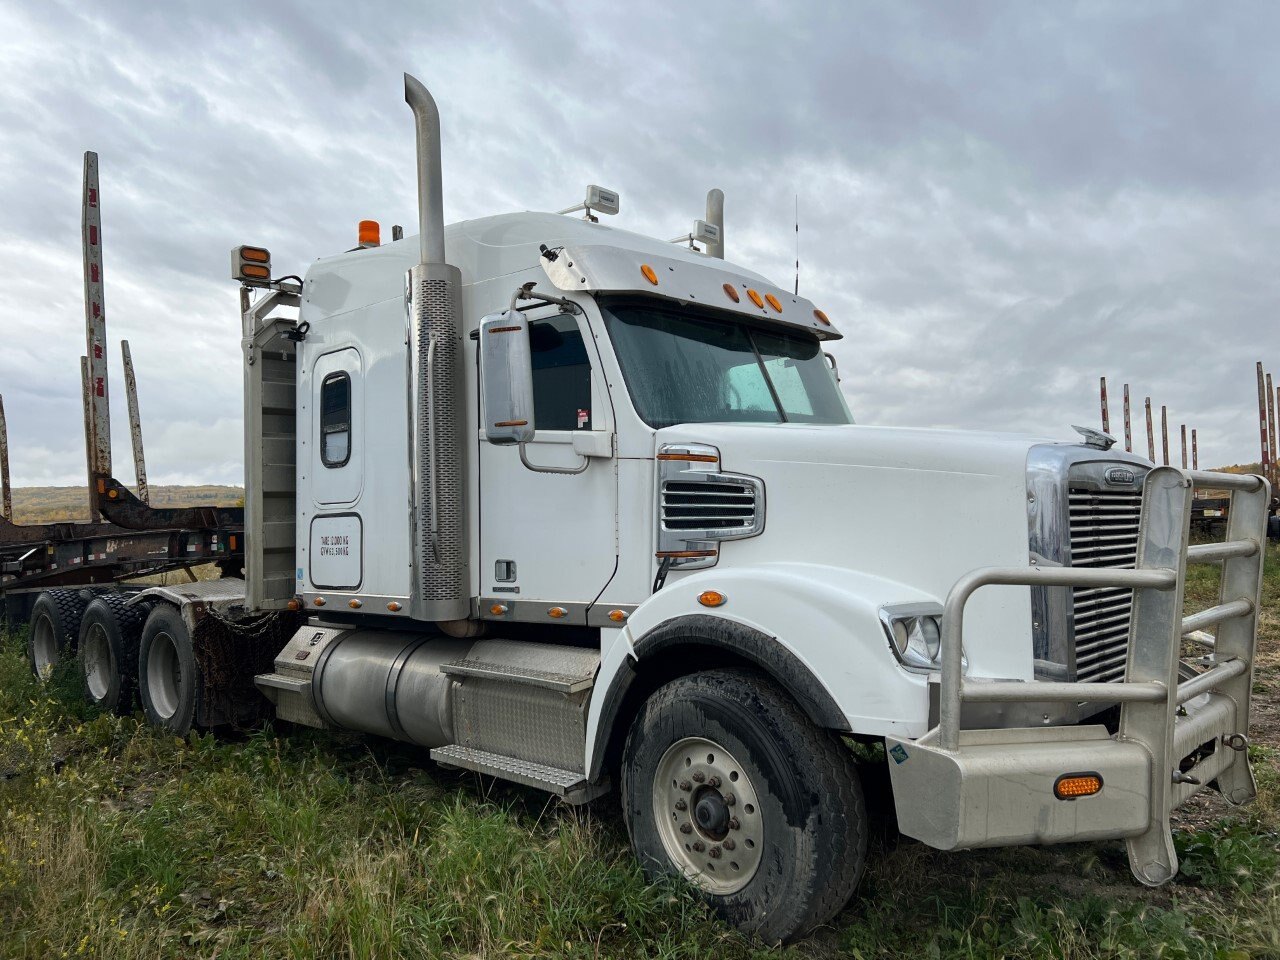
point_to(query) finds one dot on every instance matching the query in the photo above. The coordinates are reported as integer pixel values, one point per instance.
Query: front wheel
(727, 783)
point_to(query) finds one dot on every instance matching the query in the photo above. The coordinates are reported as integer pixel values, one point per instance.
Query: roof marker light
(755, 298)
(731, 293)
(821, 317)
(649, 273)
(773, 302)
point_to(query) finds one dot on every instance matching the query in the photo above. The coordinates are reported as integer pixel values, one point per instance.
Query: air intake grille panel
(724, 505)
(1104, 533)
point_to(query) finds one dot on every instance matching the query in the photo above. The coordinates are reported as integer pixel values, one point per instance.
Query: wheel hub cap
(707, 813)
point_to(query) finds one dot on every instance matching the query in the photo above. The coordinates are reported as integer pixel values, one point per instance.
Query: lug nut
(713, 781)
(714, 853)
(699, 846)
(733, 823)
(729, 844)
(699, 776)
(681, 805)
(730, 799)
(686, 828)
(686, 786)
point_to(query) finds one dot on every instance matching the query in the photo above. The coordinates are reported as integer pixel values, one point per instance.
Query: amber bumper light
(1070, 786)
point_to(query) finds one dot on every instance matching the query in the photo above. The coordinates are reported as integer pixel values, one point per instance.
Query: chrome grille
(727, 506)
(1104, 533)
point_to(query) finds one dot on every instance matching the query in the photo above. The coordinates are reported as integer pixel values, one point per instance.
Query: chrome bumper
(955, 789)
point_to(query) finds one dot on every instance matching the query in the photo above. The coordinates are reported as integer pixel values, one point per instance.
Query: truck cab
(582, 509)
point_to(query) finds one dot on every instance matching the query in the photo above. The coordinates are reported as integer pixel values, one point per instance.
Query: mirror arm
(525, 292)
(835, 367)
(586, 462)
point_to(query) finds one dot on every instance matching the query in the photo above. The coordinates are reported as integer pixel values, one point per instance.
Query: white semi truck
(584, 510)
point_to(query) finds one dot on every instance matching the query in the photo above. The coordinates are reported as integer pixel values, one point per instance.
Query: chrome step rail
(571, 785)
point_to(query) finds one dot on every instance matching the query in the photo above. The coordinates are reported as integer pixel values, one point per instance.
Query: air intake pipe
(441, 581)
(715, 217)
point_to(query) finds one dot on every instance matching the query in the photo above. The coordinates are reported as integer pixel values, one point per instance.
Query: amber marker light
(711, 598)
(557, 613)
(393, 607)
(649, 273)
(690, 457)
(318, 601)
(821, 317)
(773, 302)
(1070, 786)
(617, 616)
(755, 298)
(369, 233)
(731, 292)
(498, 609)
(295, 604)
(355, 604)
(256, 254)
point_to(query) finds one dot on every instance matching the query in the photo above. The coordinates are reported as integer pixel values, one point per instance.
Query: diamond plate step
(548, 679)
(279, 681)
(569, 784)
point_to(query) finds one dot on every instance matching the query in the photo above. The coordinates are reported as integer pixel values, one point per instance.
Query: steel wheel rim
(97, 661)
(44, 647)
(164, 675)
(708, 815)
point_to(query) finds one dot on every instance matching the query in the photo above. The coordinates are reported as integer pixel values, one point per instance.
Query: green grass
(116, 841)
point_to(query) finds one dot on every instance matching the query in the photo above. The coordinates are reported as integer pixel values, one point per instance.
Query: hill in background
(48, 504)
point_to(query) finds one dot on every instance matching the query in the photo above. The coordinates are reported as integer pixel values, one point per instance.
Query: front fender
(824, 619)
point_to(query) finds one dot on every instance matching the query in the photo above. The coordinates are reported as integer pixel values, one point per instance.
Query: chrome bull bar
(1156, 713)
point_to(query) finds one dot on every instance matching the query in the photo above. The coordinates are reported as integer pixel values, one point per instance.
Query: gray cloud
(999, 201)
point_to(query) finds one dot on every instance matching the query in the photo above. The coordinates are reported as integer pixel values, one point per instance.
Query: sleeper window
(561, 374)
(335, 420)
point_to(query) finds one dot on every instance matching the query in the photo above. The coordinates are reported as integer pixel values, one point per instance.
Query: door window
(561, 374)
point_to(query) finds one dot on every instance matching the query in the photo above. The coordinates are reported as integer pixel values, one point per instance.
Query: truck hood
(915, 508)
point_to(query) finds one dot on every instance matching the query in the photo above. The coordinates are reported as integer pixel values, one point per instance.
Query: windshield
(686, 367)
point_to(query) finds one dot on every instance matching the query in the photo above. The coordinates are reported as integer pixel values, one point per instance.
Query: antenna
(797, 290)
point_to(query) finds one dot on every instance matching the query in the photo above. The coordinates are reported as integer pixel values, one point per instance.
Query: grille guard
(990, 788)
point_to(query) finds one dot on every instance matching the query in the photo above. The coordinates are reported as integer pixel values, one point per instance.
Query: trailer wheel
(168, 675)
(109, 634)
(53, 629)
(727, 783)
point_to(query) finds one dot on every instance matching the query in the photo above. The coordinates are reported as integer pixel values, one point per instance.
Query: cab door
(548, 527)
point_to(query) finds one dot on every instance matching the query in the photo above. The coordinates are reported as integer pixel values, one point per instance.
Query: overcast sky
(999, 202)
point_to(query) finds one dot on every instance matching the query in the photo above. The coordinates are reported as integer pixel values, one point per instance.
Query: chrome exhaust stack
(433, 298)
(715, 217)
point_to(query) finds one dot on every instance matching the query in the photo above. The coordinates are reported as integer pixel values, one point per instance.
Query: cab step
(568, 784)
(566, 670)
(565, 683)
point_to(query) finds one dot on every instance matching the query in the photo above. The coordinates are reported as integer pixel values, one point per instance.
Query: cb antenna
(797, 290)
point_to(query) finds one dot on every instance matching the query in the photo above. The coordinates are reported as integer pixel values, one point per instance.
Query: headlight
(915, 634)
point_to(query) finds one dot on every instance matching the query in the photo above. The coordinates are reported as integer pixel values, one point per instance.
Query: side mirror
(506, 378)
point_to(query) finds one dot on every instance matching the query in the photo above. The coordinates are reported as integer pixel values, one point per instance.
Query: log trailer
(585, 510)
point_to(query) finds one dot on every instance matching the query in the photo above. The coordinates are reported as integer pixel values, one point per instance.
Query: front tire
(168, 675)
(109, 634)
(53, 629)
(727, 783)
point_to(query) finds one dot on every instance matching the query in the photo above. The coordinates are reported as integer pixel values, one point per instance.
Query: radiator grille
(1104, 533)
(728, 506)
